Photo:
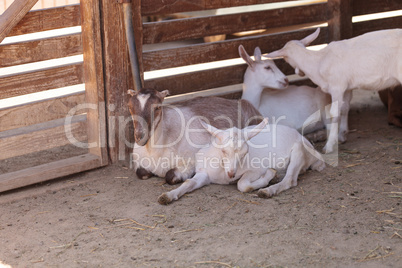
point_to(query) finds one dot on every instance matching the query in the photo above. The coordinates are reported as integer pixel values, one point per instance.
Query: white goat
(251, 159)
(266, 87)
(372, 61)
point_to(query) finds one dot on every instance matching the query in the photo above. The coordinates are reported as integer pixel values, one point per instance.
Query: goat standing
(372, 61)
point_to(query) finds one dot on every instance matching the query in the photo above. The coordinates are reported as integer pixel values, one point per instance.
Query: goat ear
(276, 54)
(309, 39)
(243, 54)
(257, 54)
(211, 129)
(131, 92)
(164, 93)
(257, 129)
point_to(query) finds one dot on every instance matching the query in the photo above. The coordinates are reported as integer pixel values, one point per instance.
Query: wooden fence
(36, 126)
(161, 46)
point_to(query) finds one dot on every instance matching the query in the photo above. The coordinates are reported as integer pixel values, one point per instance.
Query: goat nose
(286, 81)
(231, 174)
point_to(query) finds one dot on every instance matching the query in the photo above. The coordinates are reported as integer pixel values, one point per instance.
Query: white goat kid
(372, 61)
(251, 159)
(266, 87)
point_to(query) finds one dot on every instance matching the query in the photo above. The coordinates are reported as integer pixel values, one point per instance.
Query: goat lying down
(268, 89)
(371, 61)
(168, 136)
(251, 156)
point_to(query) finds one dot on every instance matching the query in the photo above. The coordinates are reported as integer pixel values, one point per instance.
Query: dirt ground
(345, 216)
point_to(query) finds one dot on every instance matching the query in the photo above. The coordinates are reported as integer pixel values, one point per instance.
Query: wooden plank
(64, 167)
(159, 7)
(201, 53)
(38, 112)
(45, 79)
(192, 28)
(376, 25)
(40, 137)
(362, 7)
(13, 15)
(94, 77)
(48, 19)
(39, 50)
(208, 79)
(340, 21)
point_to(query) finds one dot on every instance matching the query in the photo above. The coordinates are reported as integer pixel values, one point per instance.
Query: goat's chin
(281, 86)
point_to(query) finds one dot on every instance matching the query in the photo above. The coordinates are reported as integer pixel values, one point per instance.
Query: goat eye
(268, 67)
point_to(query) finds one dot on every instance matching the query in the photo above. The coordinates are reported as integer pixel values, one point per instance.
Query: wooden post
(94, 83)
(118, 80)
(340, 19)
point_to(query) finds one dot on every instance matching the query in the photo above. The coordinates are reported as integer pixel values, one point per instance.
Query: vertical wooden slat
(340, 19)
(118, 80)
(94, 83)
(138, 34)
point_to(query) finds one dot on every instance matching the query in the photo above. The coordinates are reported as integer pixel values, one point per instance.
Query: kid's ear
(211, 129)
(131, 92)
(164, 93)
(257, 129)
(257, 54)
(243, 54)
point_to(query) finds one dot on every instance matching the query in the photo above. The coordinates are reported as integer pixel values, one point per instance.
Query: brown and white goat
(168, 136)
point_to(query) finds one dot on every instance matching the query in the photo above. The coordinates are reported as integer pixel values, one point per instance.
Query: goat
(370, 61)
(251, 156)
(267, 88)
(168, 136)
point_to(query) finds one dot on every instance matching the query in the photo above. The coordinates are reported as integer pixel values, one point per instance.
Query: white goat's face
(263, 72)
(146, 111)
(233, 149)
(232, 144)
(267, 74)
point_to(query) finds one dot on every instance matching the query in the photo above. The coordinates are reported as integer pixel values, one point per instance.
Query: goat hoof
(171, 177)
(163, 199)
(143, 174)
(263, 194)
(327, 149)
(342, 137)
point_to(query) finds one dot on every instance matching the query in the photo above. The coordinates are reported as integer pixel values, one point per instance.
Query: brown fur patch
(143, 174)
(171, 177)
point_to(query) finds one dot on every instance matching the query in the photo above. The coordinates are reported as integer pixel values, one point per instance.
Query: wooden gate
(43, 105)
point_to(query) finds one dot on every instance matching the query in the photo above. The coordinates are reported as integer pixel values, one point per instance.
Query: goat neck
(307, 61)
(251, 90)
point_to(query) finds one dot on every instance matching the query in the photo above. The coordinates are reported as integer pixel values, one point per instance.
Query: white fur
(372, 61)
(266, 87)
(142, 98)
(251, 157)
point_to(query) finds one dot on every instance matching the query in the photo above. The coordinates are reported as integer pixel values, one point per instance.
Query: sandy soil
(345, 216)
